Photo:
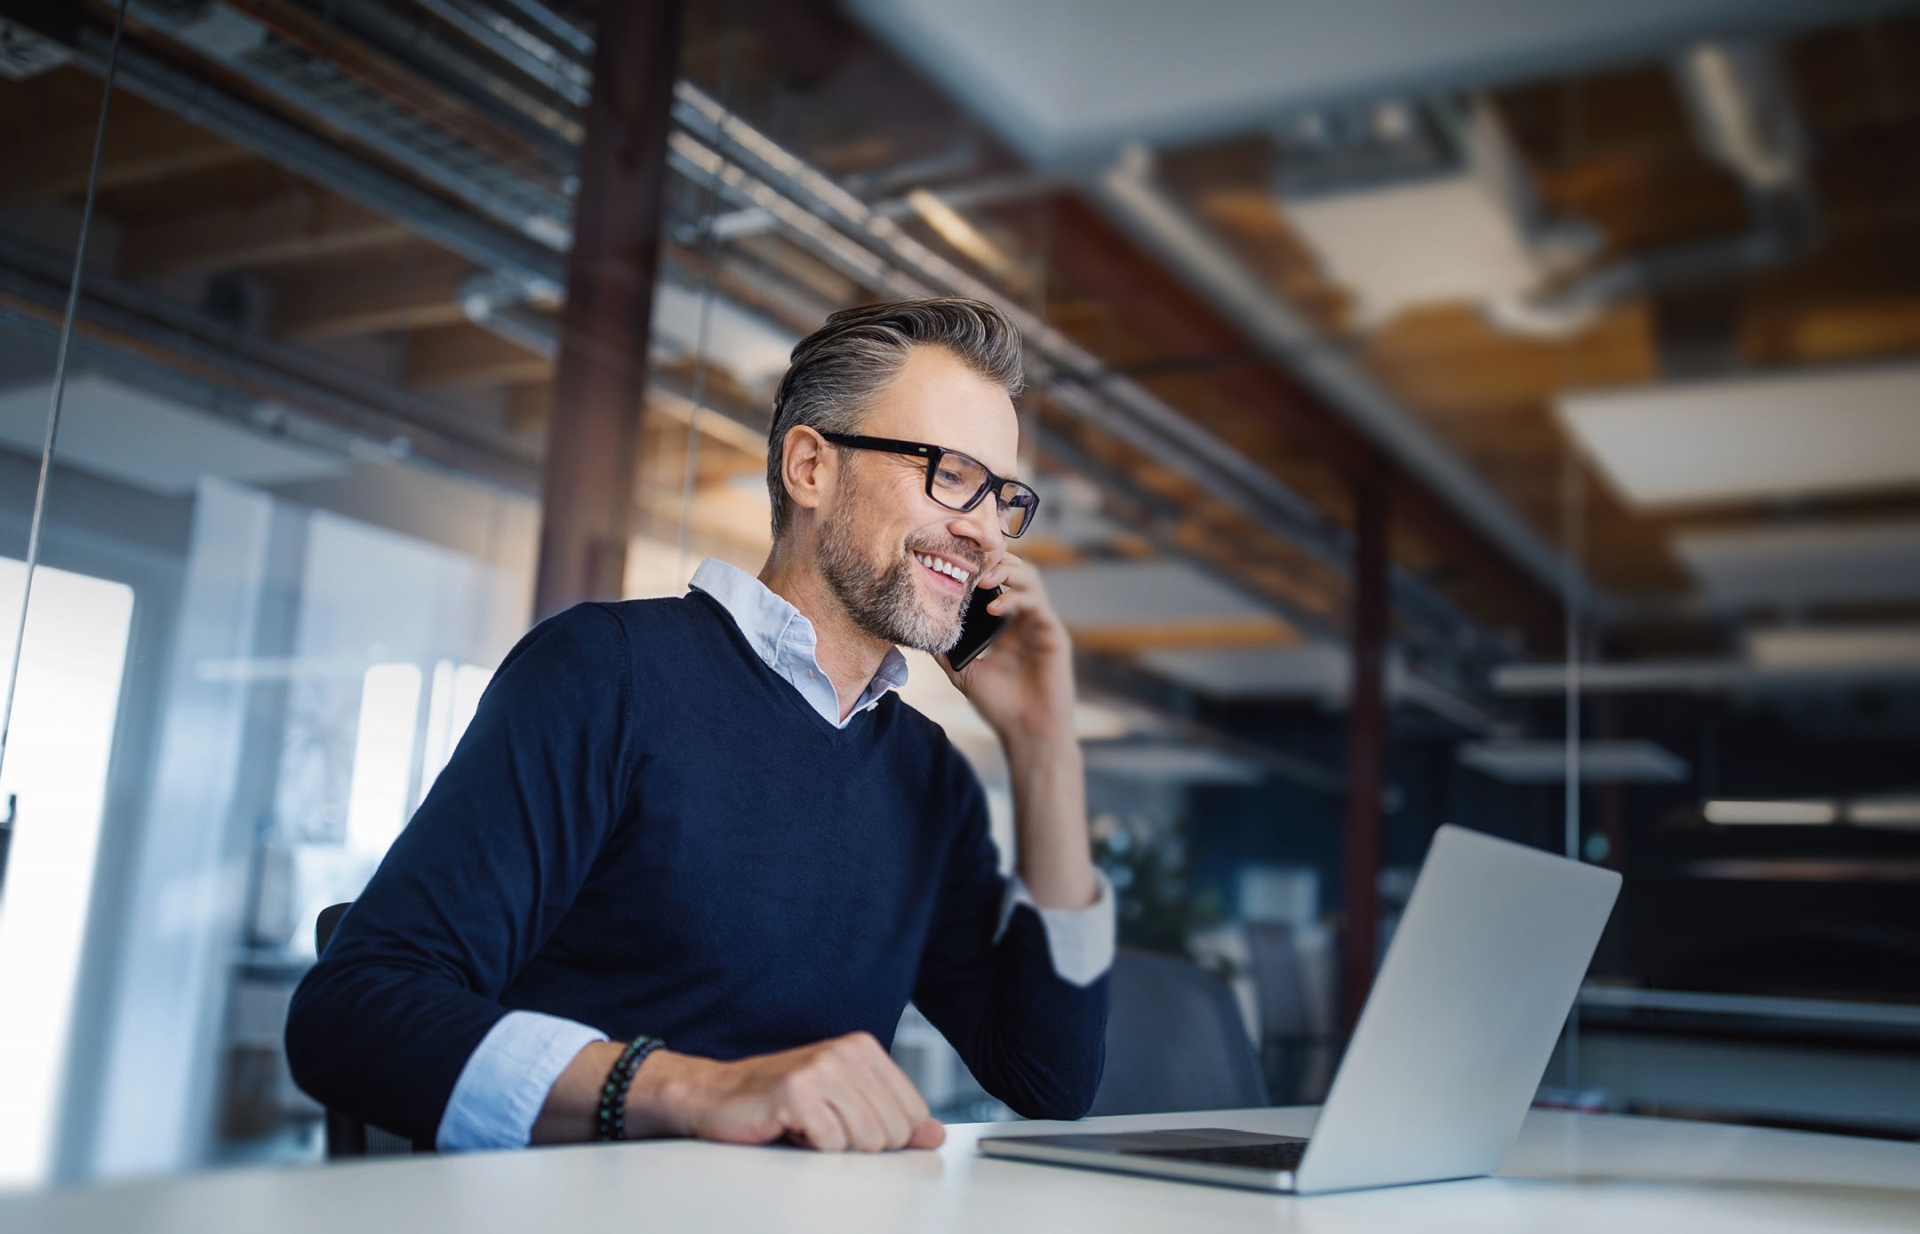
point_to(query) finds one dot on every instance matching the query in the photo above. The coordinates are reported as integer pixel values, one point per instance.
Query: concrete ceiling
(1070, 80)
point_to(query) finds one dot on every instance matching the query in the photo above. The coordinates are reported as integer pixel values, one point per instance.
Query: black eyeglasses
(957, 481)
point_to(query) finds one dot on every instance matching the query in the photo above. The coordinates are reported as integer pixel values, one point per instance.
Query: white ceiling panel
(1070, 79)
(1853, 649)
(1121, 593)
(1857, 563)
(1753, 438)
(127, 434)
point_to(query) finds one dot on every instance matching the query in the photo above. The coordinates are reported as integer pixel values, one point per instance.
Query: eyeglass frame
(931, 455)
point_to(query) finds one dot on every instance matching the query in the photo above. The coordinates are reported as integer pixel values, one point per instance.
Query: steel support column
(1366, 746)
(600, 384)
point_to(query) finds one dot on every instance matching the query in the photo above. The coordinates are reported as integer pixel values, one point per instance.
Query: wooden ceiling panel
(144, 145)
(464, 355)
(1447, 359)
(412, 287)
(1869, 73)
(1833, 333)
(1633, 112)
(302, 225)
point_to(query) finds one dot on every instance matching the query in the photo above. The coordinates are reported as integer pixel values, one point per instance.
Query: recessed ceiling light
(1772, 813)
(1823, 563)
(1836, 648)
(1753, 438)
(1601, 762)
(1900, 813)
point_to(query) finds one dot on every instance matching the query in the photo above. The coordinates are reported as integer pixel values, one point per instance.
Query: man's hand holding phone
(1024, 688)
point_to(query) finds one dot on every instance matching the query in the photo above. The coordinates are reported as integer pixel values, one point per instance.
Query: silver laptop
(1449, 1049)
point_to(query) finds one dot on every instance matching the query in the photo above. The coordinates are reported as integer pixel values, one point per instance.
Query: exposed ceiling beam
(410, 290)
(144, 145)
(293, 227)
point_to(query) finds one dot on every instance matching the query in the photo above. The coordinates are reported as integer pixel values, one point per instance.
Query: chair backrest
(347, 1136)
(1278, 982)
(326, 924)
(1175, 1041)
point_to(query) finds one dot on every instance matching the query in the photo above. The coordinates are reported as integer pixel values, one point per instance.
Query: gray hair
(838, 370)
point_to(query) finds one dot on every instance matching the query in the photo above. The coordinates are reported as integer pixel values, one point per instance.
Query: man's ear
(804, 468)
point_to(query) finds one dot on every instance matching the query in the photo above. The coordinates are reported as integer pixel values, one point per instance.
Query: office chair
(1175, 1041)
(1287, 1039)
(348, 1136)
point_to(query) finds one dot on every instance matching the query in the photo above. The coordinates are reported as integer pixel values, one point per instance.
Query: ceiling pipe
(497, 303)
(290, 74)
(1745, 120)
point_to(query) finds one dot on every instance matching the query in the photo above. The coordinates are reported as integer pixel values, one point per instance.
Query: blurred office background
(1496, 412)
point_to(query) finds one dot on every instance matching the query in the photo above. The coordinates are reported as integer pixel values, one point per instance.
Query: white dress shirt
(507, 1078)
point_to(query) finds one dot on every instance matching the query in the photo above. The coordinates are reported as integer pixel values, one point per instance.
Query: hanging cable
(711, 246)
(1572, 526)
(60, 383)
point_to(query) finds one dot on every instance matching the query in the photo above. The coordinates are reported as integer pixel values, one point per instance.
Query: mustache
(948, 546)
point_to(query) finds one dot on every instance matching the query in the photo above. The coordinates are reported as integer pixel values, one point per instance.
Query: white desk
(1570, 1172)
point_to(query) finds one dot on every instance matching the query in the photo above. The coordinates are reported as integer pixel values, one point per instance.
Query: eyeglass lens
(957, 482)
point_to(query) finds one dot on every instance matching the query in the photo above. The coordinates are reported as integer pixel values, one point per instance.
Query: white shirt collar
(781, 635)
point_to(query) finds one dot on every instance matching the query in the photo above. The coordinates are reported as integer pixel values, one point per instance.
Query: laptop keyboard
(1280, 1155)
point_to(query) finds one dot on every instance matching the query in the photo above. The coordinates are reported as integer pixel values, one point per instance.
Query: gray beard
(882, 601)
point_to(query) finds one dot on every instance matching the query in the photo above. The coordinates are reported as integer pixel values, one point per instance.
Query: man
(708, 821)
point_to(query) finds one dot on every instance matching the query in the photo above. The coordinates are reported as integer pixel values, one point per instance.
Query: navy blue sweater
(647, 830)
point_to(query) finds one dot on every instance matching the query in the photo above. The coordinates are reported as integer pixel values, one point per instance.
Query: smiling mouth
(954, 574)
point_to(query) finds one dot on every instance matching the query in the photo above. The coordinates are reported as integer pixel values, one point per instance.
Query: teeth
(943, 566)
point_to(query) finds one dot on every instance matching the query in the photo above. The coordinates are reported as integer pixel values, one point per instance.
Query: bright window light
(1891, 812)
(1772, 813)
(450, 706)
(56, 768)
(383, 757)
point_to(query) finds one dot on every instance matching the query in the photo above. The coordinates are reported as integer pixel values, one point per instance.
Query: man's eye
(947, 476)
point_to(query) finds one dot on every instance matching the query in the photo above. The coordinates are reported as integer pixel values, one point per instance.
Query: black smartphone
(977, 628)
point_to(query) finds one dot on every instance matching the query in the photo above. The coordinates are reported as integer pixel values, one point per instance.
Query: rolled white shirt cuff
(506, 1081)
(1080, 941)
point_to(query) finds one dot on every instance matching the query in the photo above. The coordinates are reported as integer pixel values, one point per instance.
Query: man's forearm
(1050, 821)
(844, 1093)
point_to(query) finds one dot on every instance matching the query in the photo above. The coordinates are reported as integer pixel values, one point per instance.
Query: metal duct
(1745, 120)
(492, 87)
(314, 87)
(278, 141)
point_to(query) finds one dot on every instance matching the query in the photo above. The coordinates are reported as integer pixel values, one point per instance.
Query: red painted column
(593, 437)
(1366, 746)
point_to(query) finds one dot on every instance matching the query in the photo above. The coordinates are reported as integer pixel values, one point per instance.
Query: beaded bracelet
(612, 1122)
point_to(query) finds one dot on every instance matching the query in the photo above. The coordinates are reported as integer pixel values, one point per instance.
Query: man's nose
(981, 525)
